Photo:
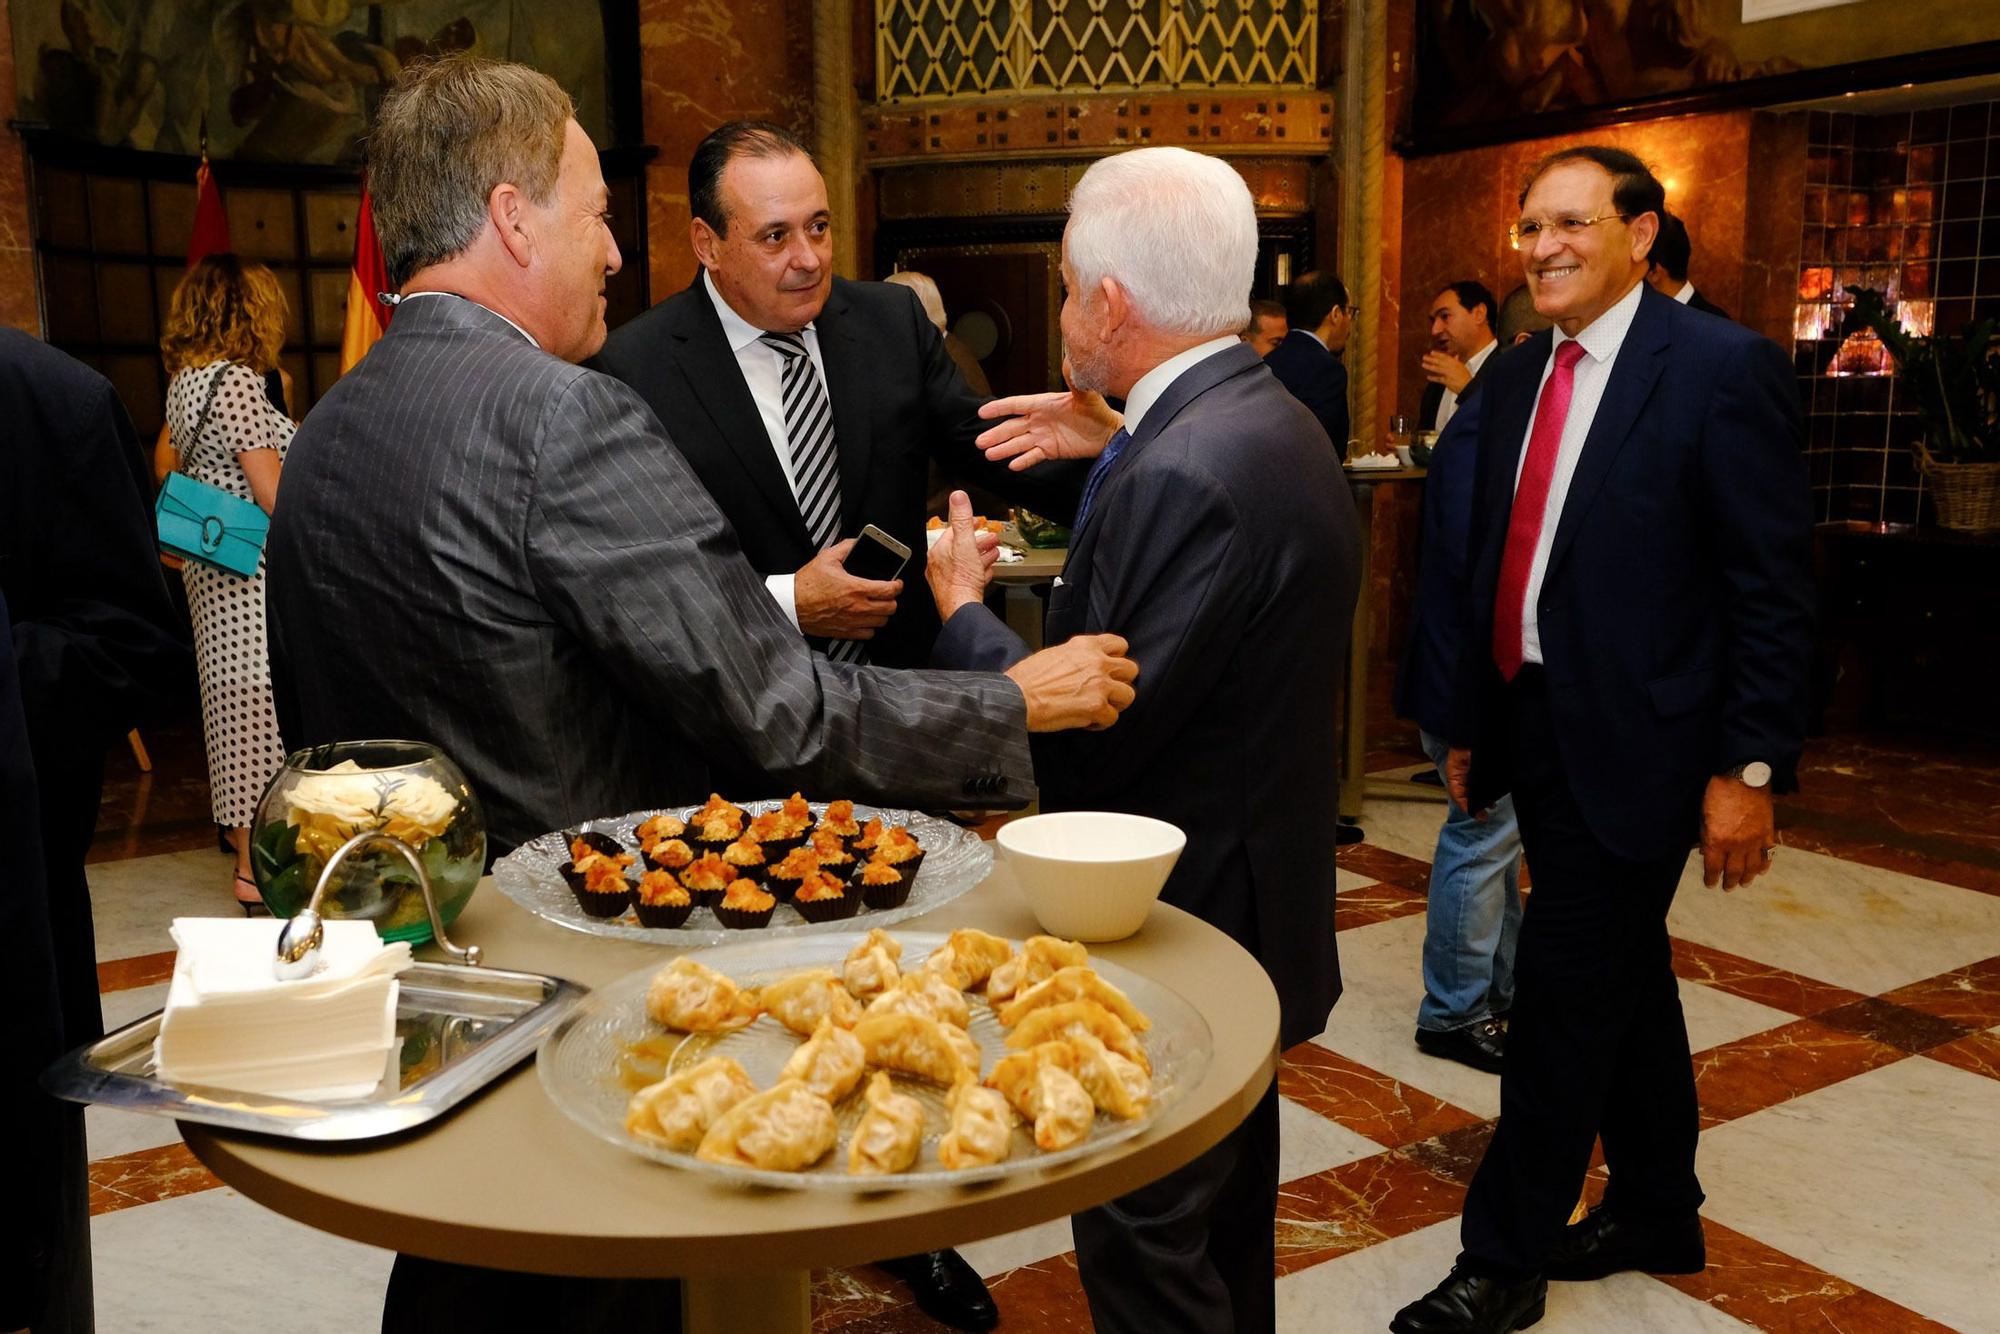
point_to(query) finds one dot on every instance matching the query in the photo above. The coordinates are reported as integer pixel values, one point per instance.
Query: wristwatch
(1754, 774)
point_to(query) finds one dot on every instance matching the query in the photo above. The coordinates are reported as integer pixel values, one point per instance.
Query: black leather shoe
(947, 1289)
(1466, 1303)
(1604, 1244)
(1483, 1045)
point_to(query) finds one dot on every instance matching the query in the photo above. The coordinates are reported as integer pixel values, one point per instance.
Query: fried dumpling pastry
(917, 1045)
(872, 966)
(1039, 958)
(926, 994)
(783, 1129)
(696, 999)
(1053, 1022)
(1014, 1074)
(968, 957)
(830, 1062)
(678, 1111)
(1116, 1085)
(1074, 983)
(889, 1135)
(979, 1127)
(1040, 1083)
(800, 1000)
(1062, 1110)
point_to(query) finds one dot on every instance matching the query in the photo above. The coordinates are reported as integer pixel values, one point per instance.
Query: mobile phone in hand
(876, 555)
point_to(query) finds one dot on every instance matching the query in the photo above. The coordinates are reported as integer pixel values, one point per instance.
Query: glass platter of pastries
(699, 875)
(872, 1061)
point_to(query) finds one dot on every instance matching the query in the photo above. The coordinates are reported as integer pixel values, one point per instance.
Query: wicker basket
(1967, 494)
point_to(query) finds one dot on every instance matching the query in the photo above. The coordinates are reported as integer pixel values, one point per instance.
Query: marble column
(836, 120)
(1362, 141)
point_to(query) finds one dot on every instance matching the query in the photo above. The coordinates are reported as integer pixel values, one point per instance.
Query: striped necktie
(809, 430)
(815, 459)
(1098, 471)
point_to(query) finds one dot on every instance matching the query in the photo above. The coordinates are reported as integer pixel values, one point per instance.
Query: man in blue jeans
(1475, 890)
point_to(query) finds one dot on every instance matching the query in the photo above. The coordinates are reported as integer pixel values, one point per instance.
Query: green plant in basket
(1955, 377)
(407, 791)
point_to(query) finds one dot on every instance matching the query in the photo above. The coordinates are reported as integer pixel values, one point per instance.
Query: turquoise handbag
(204, 523)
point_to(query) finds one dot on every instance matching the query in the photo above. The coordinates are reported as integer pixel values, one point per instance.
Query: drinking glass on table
(1401, 429)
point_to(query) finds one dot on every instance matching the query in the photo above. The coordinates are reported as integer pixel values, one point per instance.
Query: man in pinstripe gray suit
(481, 544)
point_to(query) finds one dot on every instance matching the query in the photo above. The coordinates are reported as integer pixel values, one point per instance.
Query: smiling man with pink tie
(1635, 677)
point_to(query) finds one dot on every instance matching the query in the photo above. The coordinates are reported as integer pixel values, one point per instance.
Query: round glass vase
(409, 790)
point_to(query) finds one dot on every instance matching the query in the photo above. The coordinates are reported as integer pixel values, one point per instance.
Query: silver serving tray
(580, 1064)
(461, 1028)
(955, 859)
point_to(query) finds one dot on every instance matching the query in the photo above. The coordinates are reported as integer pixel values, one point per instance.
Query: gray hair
(1176, 229)
(927, 292)
(446, 135)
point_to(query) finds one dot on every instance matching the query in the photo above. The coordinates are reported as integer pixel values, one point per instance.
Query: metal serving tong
(300, 941)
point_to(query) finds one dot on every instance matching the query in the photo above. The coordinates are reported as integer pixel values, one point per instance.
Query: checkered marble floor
(1845, 1014)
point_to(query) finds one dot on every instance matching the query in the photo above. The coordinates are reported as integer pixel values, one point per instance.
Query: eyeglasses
(1527, 231)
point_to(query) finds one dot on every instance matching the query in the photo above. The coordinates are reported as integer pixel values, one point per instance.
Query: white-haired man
(1216, 533)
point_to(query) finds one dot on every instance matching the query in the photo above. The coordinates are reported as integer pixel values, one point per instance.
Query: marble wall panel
(18, 305)
(1457, 207)
(701, 63)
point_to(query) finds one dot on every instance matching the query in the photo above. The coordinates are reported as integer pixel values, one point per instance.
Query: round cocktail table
(508, 1182)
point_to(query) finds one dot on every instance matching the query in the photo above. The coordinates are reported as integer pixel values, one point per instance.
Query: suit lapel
(1513, 406)
(844, 351)
(702, 354)
(1637, 369)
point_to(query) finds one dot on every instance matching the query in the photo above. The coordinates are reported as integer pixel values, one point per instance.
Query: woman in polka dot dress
(223, 334)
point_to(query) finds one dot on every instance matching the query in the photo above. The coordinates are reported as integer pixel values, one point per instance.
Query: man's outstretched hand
(1085, 682)
(1074, 424)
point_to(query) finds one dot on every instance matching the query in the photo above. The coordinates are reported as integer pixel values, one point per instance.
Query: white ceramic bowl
(1405, 457)
(1091, 875)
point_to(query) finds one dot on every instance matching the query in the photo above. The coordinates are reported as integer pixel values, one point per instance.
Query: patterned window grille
(984, 48)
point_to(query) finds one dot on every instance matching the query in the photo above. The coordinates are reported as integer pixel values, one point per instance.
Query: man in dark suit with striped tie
(809, 406)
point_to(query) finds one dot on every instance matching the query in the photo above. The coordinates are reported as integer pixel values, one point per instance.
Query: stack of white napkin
(231, 1024)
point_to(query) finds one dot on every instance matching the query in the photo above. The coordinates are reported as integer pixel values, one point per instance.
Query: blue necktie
(1112, 449)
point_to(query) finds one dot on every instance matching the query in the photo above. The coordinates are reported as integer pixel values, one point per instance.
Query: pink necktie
(1531, 503)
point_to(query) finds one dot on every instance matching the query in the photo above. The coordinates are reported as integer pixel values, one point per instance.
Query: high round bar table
(506, 1181)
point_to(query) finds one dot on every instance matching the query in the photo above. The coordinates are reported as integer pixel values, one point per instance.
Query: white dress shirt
(1449, 403)
(1154, 382)
(1686, 294)
(1601, 340)
(763, 371)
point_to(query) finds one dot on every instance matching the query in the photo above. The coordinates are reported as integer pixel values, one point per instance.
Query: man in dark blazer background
(1462, 347)
(703, 361)
(1216, 533)
(1307, 359)
(98, 643)
(1671, 255)
(1635, 676)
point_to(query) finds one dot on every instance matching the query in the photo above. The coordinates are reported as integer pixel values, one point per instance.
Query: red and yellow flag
(211, 223)
(367, 318)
